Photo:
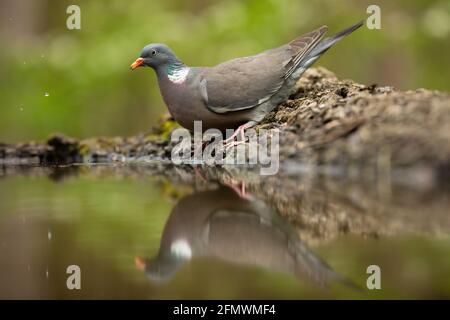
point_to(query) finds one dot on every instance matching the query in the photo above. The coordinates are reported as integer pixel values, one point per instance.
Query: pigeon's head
(158, 270)
(166, 263)
(155, 55)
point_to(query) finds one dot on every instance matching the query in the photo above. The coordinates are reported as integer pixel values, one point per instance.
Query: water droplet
(49, 235)
(24, 62)
(21, 108)
(42, 56)
(46, 273)
(46, 94)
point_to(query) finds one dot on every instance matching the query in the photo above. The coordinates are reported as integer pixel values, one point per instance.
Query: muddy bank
(329, 125)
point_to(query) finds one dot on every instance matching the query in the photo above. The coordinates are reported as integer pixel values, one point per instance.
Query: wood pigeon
(244, 231)
(237, 93)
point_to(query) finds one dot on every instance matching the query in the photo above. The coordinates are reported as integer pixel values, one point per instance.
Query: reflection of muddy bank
(321, 208)
(331, 208)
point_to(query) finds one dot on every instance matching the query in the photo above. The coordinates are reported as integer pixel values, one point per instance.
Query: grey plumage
(238, 91)
(251, 81)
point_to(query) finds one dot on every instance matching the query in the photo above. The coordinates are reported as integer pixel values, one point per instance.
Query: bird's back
(247, 82)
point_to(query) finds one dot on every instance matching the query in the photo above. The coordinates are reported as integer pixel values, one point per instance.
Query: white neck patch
(181, 249)
(178, 76)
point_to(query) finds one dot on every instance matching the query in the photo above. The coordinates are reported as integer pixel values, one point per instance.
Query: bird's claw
(234, 143)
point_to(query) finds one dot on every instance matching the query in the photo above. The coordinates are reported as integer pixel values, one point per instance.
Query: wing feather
(245, 83)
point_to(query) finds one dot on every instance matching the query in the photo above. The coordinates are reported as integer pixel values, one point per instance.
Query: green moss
(163, 130)
(84, 149)
(167, 127)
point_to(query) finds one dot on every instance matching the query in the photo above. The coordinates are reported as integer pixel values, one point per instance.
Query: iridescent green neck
(174, 68)
(177, 72)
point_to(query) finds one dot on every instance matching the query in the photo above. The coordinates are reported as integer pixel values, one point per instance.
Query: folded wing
(244, 83)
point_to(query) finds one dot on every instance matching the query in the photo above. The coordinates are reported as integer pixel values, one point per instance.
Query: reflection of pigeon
(222, 224)
(238, 92)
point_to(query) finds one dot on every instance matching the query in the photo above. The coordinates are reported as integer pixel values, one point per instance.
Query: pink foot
(230, 142)
(198, 174)
(239, 188)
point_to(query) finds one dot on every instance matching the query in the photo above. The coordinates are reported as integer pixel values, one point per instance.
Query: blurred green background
(78, 81)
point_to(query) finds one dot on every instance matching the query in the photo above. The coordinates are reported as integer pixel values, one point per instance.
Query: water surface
(145, 236)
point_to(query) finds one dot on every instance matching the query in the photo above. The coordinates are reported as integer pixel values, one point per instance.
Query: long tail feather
(327, 43)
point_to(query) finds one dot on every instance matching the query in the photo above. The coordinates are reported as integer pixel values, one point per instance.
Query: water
(137, 234)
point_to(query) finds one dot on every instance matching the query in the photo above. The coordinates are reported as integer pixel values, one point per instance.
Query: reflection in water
(240, 229)
(236, 245)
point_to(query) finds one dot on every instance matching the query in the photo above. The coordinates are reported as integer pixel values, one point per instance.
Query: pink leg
(234, 135)
(239, 188)
(198, 173)
(239, 131)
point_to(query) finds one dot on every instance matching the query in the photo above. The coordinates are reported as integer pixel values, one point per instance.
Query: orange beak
(139, 62)
(140, 263)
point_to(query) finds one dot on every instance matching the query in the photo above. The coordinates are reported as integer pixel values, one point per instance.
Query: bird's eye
(153, 52)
